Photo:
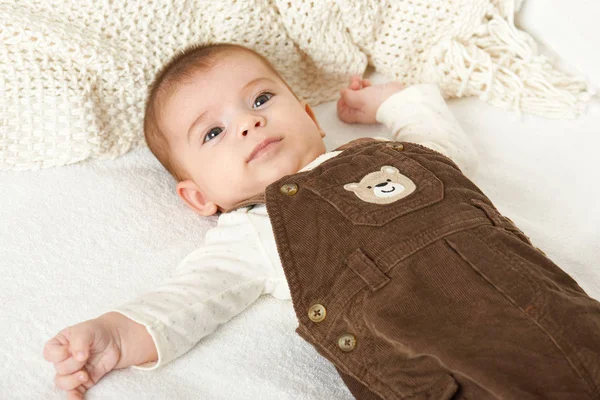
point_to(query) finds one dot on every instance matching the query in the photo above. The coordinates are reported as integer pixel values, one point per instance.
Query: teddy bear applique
(382, 187)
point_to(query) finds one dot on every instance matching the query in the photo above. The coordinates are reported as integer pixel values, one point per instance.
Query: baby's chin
(271, 174)
(280, 167)
(275, 169)
(278, 172)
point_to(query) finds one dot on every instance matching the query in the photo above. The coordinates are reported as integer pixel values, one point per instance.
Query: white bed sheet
(567, 29)
(79, 240)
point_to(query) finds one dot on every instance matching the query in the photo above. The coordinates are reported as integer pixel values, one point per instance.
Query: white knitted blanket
(74, 73)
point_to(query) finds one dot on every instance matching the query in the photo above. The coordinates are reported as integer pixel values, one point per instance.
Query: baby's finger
(76, 394)
(366, 83)
(353, 99)
(54, 351)
(70, 382)
(68, 366)
(80, 344)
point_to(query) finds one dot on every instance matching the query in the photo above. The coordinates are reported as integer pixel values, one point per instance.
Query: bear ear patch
(388, 169)
(351, 186)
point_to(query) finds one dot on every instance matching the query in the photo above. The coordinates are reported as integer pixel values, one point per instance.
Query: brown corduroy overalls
(405, 276)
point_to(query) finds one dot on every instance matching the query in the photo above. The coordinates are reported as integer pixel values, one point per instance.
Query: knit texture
(74, 74)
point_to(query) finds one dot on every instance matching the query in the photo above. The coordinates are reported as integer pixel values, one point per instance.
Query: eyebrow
(202, 116)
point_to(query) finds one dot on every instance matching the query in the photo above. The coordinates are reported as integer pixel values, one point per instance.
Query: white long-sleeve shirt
(239, 262)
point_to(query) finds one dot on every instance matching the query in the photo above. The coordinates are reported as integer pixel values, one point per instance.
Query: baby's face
(216, 119)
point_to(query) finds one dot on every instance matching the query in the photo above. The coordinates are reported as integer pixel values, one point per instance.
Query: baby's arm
(211, 285)
(416, 114)
(420, 115)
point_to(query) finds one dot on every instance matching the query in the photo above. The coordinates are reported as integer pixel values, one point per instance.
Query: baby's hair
(182, 65)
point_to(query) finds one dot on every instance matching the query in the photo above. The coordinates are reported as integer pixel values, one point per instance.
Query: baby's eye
(266, 95)
(209, 134)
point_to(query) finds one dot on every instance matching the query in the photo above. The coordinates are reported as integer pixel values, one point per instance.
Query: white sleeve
(211, 285)
(419, 114)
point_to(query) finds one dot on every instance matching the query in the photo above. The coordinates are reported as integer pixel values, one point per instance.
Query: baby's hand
(82, 354)
(360, 101)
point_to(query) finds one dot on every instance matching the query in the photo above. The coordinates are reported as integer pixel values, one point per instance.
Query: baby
(401, 272)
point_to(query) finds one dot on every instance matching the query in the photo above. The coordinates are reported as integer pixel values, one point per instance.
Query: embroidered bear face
(382, 187)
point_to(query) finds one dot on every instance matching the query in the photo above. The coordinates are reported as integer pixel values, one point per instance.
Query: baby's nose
(245, 131)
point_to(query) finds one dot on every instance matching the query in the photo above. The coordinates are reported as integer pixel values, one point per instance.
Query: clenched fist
(360, 101)
(82, 354)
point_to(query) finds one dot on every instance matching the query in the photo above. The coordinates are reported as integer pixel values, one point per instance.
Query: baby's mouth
(260, 148)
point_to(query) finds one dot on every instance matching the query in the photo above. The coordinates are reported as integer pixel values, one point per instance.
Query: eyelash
(260, 94)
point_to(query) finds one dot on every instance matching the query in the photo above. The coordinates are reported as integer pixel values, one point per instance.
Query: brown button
(289, 189)
(317, 313)
(347, 342)
(397, 146)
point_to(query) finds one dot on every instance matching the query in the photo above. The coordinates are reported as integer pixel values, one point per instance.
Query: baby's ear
(311, 114)
(193, 197)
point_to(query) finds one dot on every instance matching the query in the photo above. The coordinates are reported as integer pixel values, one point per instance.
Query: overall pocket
(374, 189)
(390, 368)
(506, 274)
